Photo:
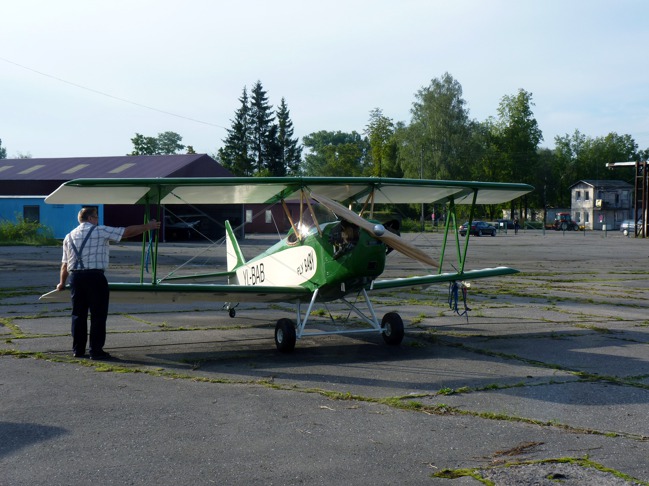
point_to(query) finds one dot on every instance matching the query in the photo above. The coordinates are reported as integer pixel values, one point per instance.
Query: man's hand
(138, 229)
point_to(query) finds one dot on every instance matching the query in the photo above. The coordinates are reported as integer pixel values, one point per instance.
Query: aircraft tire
(392, 325)
(285, 335)
(232, 312)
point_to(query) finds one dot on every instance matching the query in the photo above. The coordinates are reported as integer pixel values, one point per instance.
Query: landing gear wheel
(232, 312)
(285, 335)
(392, 325)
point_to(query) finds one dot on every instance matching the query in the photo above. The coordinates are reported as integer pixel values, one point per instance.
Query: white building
(599, 204)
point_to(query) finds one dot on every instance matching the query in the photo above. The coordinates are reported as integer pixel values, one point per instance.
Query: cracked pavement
(548, 375)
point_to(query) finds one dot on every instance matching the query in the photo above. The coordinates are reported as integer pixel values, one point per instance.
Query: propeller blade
(390, 239)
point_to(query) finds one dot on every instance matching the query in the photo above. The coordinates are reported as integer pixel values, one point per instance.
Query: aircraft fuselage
(340, 260)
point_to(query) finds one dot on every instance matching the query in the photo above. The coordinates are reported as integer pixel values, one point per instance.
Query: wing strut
(313, 216)
(451, 218)
(288, 215)
(152, 239)
(370, 201)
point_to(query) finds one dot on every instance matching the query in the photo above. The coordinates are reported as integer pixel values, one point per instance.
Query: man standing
(85, 258)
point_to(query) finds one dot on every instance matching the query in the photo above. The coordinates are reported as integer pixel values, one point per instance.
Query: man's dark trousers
(89, 291)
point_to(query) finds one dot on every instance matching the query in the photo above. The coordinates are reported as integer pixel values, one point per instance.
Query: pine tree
(235, 155)
(290, 151)
(260, 122)
(256, 145)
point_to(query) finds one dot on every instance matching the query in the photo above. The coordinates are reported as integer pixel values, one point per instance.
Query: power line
(123, 100)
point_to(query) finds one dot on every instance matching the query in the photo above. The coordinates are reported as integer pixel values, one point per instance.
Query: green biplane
(331, 252)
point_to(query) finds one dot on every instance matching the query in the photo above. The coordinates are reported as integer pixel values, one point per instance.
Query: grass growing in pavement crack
(584, 462)
(406, 403)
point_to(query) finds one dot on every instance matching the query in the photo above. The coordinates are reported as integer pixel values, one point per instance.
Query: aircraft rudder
(234, 256)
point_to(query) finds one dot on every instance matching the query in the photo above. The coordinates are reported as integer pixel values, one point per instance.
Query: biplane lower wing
(427, 280)
(135, 293)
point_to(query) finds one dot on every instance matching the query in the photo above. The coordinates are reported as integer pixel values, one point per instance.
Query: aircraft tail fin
(234, 256)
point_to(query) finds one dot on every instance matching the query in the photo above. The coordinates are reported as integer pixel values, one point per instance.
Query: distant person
(85, 257)
(516, 226)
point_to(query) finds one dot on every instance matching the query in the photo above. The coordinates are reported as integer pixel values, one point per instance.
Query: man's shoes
(101, 356)
(79, 355)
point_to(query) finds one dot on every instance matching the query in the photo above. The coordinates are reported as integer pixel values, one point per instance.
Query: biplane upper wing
(267, 190)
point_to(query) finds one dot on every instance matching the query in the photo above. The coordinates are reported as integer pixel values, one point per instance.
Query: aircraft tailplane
(234, 256)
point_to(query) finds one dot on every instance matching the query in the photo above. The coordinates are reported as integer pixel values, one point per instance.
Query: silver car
(627, 226)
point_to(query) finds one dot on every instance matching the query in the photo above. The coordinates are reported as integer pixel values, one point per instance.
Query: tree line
(440, 141)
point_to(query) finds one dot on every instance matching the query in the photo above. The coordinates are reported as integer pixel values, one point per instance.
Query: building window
(586, 217)
(586, 195)
(578, 217)
(269, 216)
(578, 195)
(248, 215)
(32, 214)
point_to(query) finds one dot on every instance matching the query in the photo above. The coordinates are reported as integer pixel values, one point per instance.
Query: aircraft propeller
(377, 231)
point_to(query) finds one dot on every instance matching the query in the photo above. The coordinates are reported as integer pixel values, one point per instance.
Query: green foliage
(578, 157)
(335, 154)
(441, 141)
(25, 233)
(235, 154)
(437, 143)
(263, 133)
(383, 146)
(289, 149)
(3, 151)
(166, 143)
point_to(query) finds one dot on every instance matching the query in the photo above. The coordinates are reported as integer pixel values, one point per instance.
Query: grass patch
(584, 462)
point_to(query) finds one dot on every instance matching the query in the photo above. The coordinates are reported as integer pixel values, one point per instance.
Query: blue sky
(80, 78)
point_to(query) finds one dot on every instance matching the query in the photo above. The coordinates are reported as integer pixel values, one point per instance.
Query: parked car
(177, 228)
(478, 228)
(627, 226)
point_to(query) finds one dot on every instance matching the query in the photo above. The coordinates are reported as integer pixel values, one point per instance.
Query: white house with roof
(601, 204)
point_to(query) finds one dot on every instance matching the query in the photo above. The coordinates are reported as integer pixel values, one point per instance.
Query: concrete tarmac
(545, 382)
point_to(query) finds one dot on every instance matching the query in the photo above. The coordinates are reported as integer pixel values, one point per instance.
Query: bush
(25, 233)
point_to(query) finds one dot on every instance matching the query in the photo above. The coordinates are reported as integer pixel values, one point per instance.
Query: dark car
(178, 228)
(478, 228)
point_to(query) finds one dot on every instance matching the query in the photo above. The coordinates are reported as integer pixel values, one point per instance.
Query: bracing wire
(213, 244)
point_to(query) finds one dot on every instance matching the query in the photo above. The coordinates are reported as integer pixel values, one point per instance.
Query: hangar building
(24, 184)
